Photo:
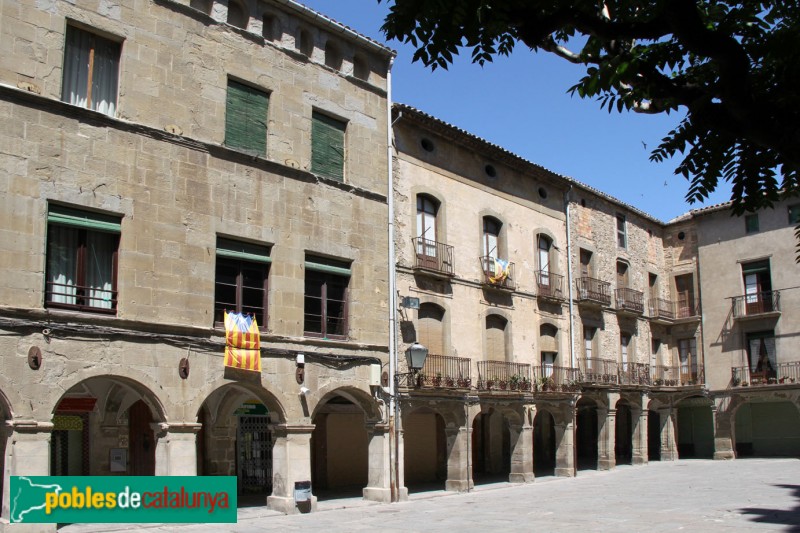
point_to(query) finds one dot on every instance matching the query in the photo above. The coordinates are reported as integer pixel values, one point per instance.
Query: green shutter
(330, 266)
(327, 147)
(246, 118)
(66, 216)
(242, 250)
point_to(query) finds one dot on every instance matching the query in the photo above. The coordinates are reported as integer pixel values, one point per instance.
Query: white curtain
(80, 50)
(763, 349)
(99, 269)
(62, 264)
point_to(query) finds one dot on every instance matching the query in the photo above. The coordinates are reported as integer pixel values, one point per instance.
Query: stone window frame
(241, 255)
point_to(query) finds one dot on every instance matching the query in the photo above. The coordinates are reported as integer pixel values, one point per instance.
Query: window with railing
(240, 283)
(326, 298)
(81, 260)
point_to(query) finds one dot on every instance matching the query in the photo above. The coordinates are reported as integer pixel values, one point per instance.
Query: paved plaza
(689, 495)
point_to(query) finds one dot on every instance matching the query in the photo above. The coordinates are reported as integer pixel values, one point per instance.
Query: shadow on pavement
(784, 517)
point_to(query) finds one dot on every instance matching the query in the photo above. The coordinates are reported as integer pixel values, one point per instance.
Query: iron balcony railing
(665, 376)
(551, 378)
(549, 285)
(661, 308)
(444, 371)
(630, 300)
(81, 297)
(634, 373)
(756, 304)
(593, 290)
(498, 273)
(598, 371)
(784, 374)
(434, 256)
(499, 375)
(686, 309)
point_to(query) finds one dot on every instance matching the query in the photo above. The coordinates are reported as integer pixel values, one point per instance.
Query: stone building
(163, 161)
(590, 350)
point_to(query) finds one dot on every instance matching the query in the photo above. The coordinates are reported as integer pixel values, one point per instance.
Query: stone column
(27, 454)
(400, 465)
(723, 439)
(565, 446)
(379, 479)
(640, 452)
(606, 421)
(176, 448)
(669, 446)
(521, 438)
(291, 462)
(459, 473)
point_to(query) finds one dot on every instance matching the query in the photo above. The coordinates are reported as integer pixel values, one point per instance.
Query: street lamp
(415, 357)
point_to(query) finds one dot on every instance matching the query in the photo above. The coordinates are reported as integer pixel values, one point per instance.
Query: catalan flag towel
(242, 342)
(501, 271)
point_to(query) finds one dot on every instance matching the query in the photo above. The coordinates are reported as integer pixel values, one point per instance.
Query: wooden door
(142, 440)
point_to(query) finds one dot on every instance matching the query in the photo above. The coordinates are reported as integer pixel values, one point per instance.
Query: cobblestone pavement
(689, 495)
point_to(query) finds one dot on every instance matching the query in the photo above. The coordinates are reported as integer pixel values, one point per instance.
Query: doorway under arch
(768, 429)
(425, 450)
(544, 444)
(491, 448)
(653, 435)
(586, 434)
(695, 428)
(623, 434)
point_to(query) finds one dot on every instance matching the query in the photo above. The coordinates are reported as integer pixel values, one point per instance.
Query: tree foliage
(732, 67)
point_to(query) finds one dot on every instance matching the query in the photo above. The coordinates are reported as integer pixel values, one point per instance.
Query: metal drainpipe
(569, 280)
(393, 403)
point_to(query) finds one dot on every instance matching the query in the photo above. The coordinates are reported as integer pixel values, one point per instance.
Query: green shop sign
(115, 499)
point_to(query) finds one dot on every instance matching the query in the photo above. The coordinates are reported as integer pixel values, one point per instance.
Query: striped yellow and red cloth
(242, 342)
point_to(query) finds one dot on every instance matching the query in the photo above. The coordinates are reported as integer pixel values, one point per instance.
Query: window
(588, 343)
(491, 237)
(430, 332)
(246, 118)
(305, 43)
(751, 223)
(548, 345)
(270, 29)
(333, 58)
(655, 349)
(91, 71)
(327, 146)
(326, 297)
(237, 14)
(757, 287)
(687, 352)
(81, 260)
(622, 237)
(624, 345)
(496, 338)
(586, 263)
(622, 275)
(426, 228)
(544, 245)
(794, 214)
(241, 280)
(684, 287)
(360, 68)
(762, 357)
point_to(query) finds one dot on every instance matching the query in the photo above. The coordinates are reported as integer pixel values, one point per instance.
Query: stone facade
(160, 166)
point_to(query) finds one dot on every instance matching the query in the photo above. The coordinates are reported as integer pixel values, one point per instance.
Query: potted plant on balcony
(503, 384)
(519, 382)
(437, 380)
(658, 382)
(464, 382)
(449, 382)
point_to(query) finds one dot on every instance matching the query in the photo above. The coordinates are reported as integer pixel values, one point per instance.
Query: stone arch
(426, 447)
(133, 381)
(695, 427)
(767, 428)
(238, 14)
(372, 410)
(274, 402)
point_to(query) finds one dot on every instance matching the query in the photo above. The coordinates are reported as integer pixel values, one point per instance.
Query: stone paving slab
(690, 495)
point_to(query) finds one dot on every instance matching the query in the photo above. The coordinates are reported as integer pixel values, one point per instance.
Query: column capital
(292, 429)
(28, 426)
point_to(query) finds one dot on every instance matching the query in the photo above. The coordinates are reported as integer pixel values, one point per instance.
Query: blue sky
(521, 103)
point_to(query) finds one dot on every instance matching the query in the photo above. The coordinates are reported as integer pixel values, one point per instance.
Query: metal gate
(254, 449)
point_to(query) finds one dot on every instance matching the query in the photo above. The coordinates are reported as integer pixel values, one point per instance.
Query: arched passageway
(768, 429)
(235, 440)
(104, 426)
(491, 447)
(425, 450)
(623, 434)
(586, 434)
(653, 436)
(339, 448)
(695, 429)
(544, 444)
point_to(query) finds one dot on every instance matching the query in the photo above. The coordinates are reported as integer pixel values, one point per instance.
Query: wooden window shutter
(495, 338)
(246, 118)
(431, 333)
(327, 147)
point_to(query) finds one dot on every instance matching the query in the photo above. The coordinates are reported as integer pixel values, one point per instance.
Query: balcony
(686, 311)
(757, 305)
(785, 374)
(433, 258)
(498, 273)
(593, 292)
(502, 376)
(634, 374)
(661, 311)
(629, 301)
(598, 371)
(441, 371)
(549, 378)
(549, 286)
